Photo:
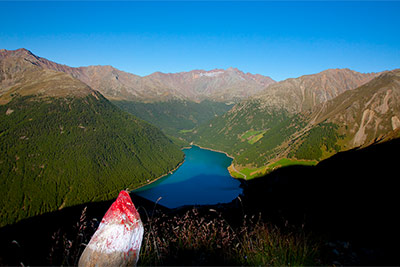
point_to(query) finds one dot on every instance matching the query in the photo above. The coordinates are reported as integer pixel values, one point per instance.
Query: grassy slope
(260, 171)
(62, 152)
(256, 150)
(250, 134)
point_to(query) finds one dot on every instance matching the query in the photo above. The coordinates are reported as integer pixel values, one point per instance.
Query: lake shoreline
(214, 150)
(159, 177)
(229, 156)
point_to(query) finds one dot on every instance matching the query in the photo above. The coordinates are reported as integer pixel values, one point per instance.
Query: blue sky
(279, 39)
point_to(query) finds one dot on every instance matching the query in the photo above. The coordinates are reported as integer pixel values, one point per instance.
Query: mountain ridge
(195, 85)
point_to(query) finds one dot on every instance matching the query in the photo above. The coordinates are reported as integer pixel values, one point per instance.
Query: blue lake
(203, 178)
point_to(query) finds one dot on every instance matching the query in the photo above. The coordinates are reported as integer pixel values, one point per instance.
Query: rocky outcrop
(302, 93)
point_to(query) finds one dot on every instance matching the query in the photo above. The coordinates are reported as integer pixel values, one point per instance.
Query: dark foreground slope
(38, 240)
(349, 209)
(350, 197)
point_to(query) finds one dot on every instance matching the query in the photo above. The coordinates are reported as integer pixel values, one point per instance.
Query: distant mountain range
(181, 95)
(219, 85)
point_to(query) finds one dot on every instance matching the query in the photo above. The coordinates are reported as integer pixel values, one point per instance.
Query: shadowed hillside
(351, 196)
(175, 117)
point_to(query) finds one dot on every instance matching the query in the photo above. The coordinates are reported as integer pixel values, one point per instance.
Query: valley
(74, 136)
(258, 122)
(175, 117)
(199, 133)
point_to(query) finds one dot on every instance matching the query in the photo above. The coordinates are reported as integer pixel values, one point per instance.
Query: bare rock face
(366, 114)
(118, 239)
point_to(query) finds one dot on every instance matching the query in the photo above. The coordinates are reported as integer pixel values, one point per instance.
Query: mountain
(275, 104)
(62, 143)
(218, 84)
(259, 132)
(357, 118)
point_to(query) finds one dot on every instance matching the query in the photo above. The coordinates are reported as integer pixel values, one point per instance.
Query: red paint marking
(122, 211)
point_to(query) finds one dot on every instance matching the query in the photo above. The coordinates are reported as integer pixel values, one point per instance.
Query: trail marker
(118, 239)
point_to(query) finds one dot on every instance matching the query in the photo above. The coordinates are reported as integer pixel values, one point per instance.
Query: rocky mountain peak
(232, 69)
(23, 73)
(303, 93)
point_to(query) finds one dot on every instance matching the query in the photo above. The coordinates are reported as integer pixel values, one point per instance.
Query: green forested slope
(58, 152)
(175, 117)
(322, 137)
(247, 132)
